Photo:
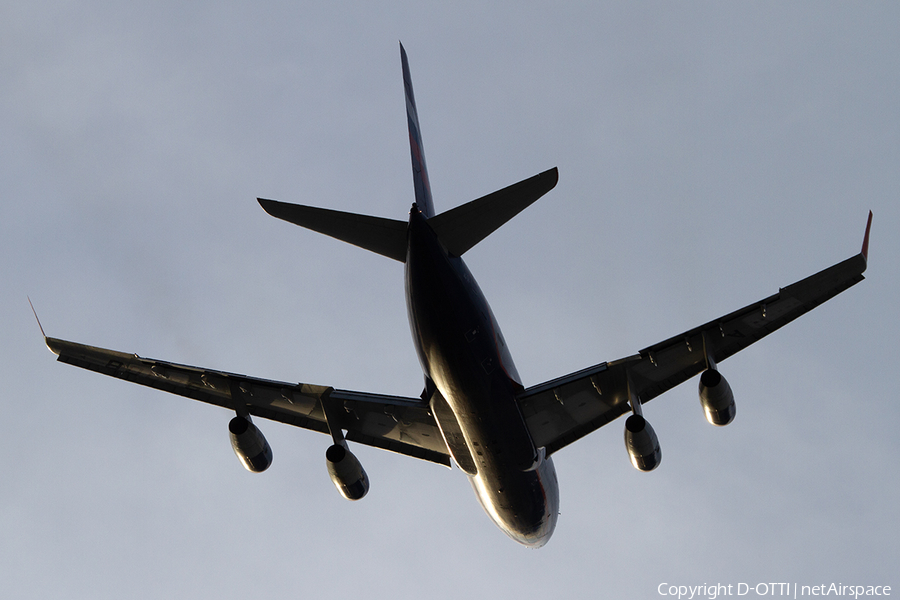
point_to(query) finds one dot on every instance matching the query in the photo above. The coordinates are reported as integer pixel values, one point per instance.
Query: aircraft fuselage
(468, 367)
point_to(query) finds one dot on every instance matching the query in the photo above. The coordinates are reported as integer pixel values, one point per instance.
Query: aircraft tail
(464, 226)
(417, 152)
(459, 229)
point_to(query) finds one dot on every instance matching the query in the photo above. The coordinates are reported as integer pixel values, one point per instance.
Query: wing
(563, 410)
(394, 423)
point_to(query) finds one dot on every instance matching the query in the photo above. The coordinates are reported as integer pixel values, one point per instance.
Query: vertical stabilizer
(420, 172)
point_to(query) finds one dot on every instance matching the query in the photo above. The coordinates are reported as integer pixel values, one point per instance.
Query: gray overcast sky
(708, 153)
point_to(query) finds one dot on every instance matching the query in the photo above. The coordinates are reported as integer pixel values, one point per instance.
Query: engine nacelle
(249, 445)
(716, 398)
(346, 473)
(642, 443)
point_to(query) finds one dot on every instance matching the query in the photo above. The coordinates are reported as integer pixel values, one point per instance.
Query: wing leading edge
(395, 423)
(563, 410)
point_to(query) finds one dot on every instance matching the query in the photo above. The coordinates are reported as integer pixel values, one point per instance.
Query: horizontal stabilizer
(462, 227)
(382, 236)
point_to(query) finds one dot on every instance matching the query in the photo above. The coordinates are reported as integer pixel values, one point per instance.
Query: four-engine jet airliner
(474, 408)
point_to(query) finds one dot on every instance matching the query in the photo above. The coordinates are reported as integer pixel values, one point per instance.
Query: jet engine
(642, 444)
(716, 398)
(345, 471)
(249, 445)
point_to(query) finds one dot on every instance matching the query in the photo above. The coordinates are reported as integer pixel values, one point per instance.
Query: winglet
(39, 324)
(53, 345)
(865, 246)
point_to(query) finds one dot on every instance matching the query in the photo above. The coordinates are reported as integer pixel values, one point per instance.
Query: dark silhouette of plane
(474, 407)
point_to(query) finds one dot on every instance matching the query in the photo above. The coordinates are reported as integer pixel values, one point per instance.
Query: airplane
(474, 409)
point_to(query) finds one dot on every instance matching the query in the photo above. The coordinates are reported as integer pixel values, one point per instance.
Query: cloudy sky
(709, 153)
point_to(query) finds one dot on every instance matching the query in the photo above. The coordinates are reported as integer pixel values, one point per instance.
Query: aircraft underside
(472, 392)
(474, 410)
